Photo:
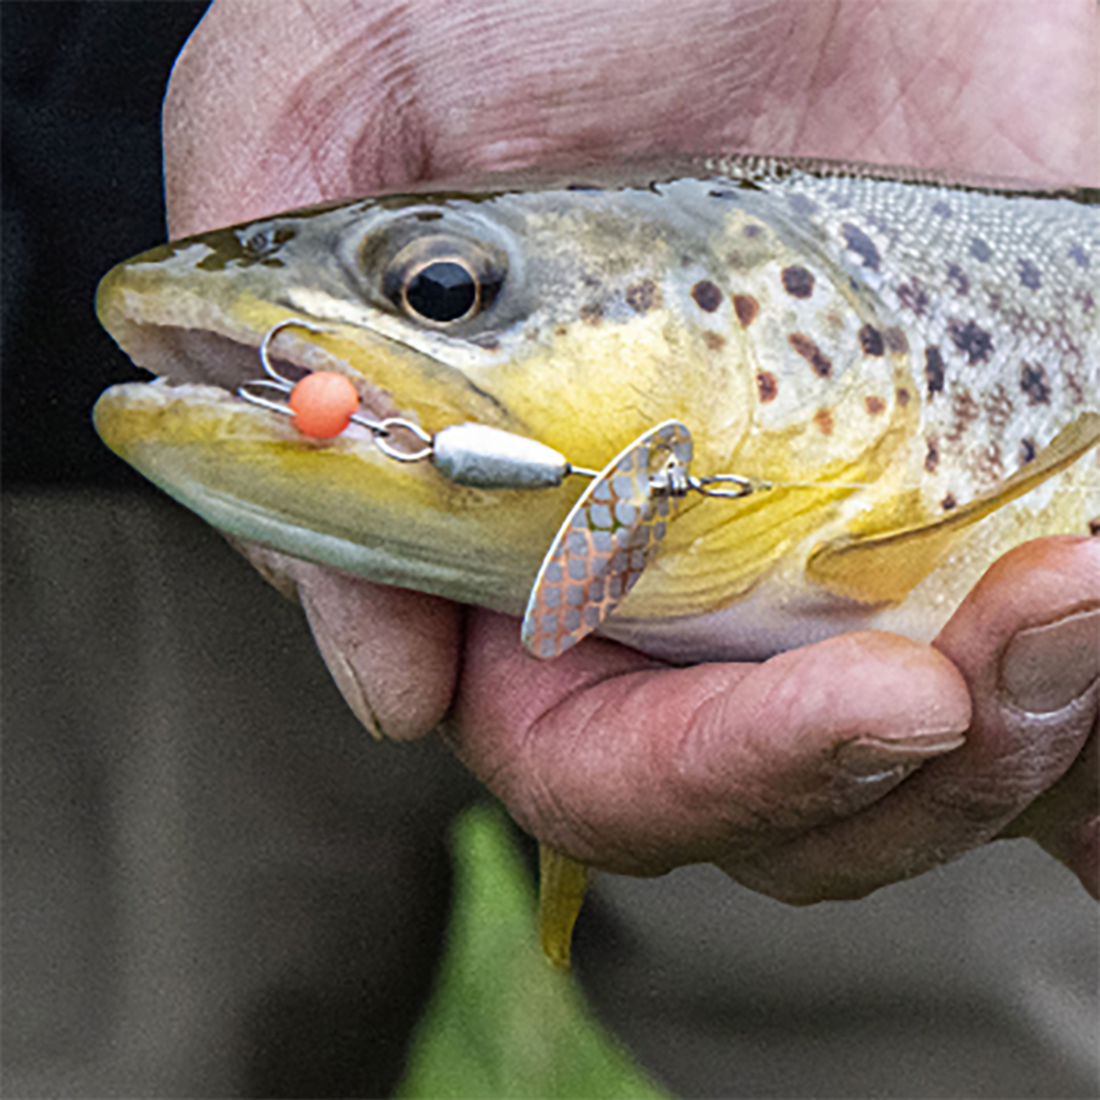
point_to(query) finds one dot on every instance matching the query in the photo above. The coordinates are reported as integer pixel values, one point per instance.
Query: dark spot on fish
(1029, 275)
(1088, 303)
(242, 249)
(823, 418)
(751, 231)
(261, 246)
(870, 340)
(949, 502)
(862, 245)
(715, 341)
(802, 204)
(582, 187)
(1080, 257)
(643, 296)
(1027, 451)
(913, 296)
(941, 208)
(592, 313)
(821, 363)
(932, 457)
(1075, 383)
(996, 300)
(896, 340)
(964, 411)
(958, 279)
(1034, 383)
(934, 369)
(998, 406)
(972, 340)
(902, 397)
(797, 281)
(1094, 526)
(486, 340)
(875, 405)
(767, 386)
(980, 250)
(988, 465)
(706, 295)
(722, 193)
(560, 330)
(746, 307)
(747, 184)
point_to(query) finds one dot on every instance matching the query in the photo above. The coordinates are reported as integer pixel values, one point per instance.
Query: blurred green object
(502, 1021)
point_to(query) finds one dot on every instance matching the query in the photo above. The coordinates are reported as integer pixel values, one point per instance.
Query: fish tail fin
(563, 882)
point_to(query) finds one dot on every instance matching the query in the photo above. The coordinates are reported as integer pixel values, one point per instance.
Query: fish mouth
(195, 367)
(342, 501)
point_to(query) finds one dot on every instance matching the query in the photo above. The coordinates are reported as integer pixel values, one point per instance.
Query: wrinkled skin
(825, 772)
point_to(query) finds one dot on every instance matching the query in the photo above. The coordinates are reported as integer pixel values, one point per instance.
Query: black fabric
(82, 90)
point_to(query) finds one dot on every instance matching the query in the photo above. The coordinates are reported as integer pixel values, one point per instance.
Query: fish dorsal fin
(883, 566)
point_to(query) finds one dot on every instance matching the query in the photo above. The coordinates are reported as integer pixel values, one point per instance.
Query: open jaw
(206, 367)
(340, 501)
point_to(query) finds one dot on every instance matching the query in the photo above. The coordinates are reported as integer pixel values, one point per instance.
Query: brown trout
(903, 371)
(906, 368)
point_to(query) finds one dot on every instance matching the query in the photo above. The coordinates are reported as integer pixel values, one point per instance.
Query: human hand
(794, 775)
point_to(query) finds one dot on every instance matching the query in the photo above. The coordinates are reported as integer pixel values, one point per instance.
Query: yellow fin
(562, 885)
(883, 566)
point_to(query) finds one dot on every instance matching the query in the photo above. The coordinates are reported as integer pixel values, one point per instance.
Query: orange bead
(323, 403)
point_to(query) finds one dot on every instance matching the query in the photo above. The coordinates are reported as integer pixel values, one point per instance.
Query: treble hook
(265, 344)
(380, 429)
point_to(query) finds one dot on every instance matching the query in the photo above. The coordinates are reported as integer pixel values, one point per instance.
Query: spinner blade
(603, 546)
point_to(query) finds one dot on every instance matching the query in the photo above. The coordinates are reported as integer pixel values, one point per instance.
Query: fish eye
(442, 280)
(442, 290)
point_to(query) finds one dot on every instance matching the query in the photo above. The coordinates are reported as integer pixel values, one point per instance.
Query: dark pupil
(441, 291)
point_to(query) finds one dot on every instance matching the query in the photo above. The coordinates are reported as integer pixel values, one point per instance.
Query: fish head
(579, 317)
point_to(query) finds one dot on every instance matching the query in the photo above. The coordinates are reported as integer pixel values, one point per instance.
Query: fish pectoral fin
(563, 882)
(884, 565)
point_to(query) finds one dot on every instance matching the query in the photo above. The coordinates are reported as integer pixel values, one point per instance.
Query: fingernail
(877, 759)
(1046, 667)
(342, 670)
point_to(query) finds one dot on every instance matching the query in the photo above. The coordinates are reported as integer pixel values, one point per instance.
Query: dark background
(82, 91)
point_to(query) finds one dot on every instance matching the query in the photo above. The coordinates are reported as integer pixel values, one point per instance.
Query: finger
(393, 653)
(927, 103)
(377, 642)
(637, 767)
(1025, 641)
(1065, 820)
(330, 100)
